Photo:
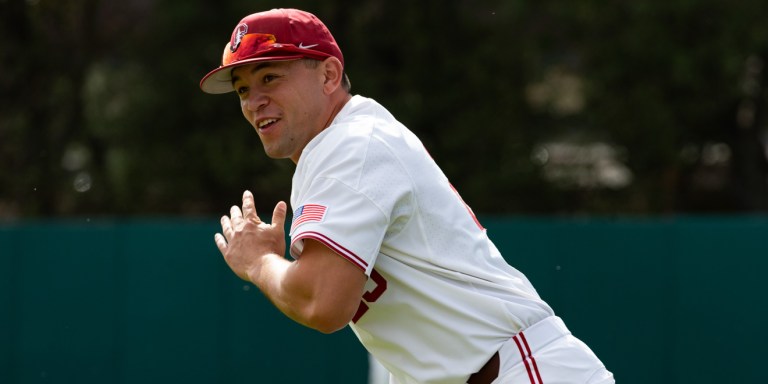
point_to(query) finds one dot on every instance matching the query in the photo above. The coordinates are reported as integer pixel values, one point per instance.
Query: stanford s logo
(240, 31)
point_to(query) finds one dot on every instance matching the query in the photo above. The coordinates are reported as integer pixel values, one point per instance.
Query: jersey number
(381, 283)
(371, 296)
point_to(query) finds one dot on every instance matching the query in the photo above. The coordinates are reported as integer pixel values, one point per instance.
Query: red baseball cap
(275, 35)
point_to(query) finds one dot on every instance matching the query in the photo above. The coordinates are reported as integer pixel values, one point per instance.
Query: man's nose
(256, 101)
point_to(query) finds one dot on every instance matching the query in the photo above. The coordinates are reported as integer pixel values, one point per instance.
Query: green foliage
(530, 107)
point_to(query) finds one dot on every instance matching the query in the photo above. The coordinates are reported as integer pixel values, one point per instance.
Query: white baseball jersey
(440, 299)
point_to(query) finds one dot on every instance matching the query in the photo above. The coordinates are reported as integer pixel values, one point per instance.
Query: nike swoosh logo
(302, 46)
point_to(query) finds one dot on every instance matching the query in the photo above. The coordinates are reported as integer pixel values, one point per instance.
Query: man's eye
(242, 90)
(269, 78)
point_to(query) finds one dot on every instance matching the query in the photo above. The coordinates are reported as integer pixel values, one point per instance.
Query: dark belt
(488, 373)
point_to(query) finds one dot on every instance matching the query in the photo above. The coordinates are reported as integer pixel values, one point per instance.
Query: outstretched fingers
(226, 227)
(221, 243)
(249, 207)
(237, 220)
(236, 217)
(278, 215)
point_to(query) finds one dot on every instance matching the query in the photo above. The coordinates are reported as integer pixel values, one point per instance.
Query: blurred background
(530, 107)
(625, 136)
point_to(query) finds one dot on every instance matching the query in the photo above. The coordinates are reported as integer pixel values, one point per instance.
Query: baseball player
(379, 238)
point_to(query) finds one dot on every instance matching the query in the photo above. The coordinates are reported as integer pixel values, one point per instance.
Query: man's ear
(333, 72)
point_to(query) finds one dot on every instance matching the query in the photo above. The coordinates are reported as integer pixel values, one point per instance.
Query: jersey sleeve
(351, 191)
(343, 219)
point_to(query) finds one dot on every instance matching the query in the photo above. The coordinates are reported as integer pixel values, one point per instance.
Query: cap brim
(219, 80)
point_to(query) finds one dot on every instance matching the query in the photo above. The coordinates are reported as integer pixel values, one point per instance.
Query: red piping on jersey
(531, 367)
(533, 361)
(349, 255)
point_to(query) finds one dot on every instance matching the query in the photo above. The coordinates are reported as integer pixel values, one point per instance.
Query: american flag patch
(308, 213)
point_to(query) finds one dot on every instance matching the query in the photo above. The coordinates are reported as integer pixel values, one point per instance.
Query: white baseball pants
(547, 353)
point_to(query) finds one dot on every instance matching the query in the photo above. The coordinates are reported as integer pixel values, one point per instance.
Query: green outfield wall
(674, 300)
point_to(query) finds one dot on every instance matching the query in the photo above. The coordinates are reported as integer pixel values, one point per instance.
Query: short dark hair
(345, 83)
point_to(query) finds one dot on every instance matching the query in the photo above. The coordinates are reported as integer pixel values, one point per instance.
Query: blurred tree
(530, 107)
(46, 48)
(666, 78)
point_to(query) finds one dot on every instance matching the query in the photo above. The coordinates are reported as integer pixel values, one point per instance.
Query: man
(380, 240)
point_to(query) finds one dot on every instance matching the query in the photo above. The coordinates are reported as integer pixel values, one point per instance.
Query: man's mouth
(266, 123)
